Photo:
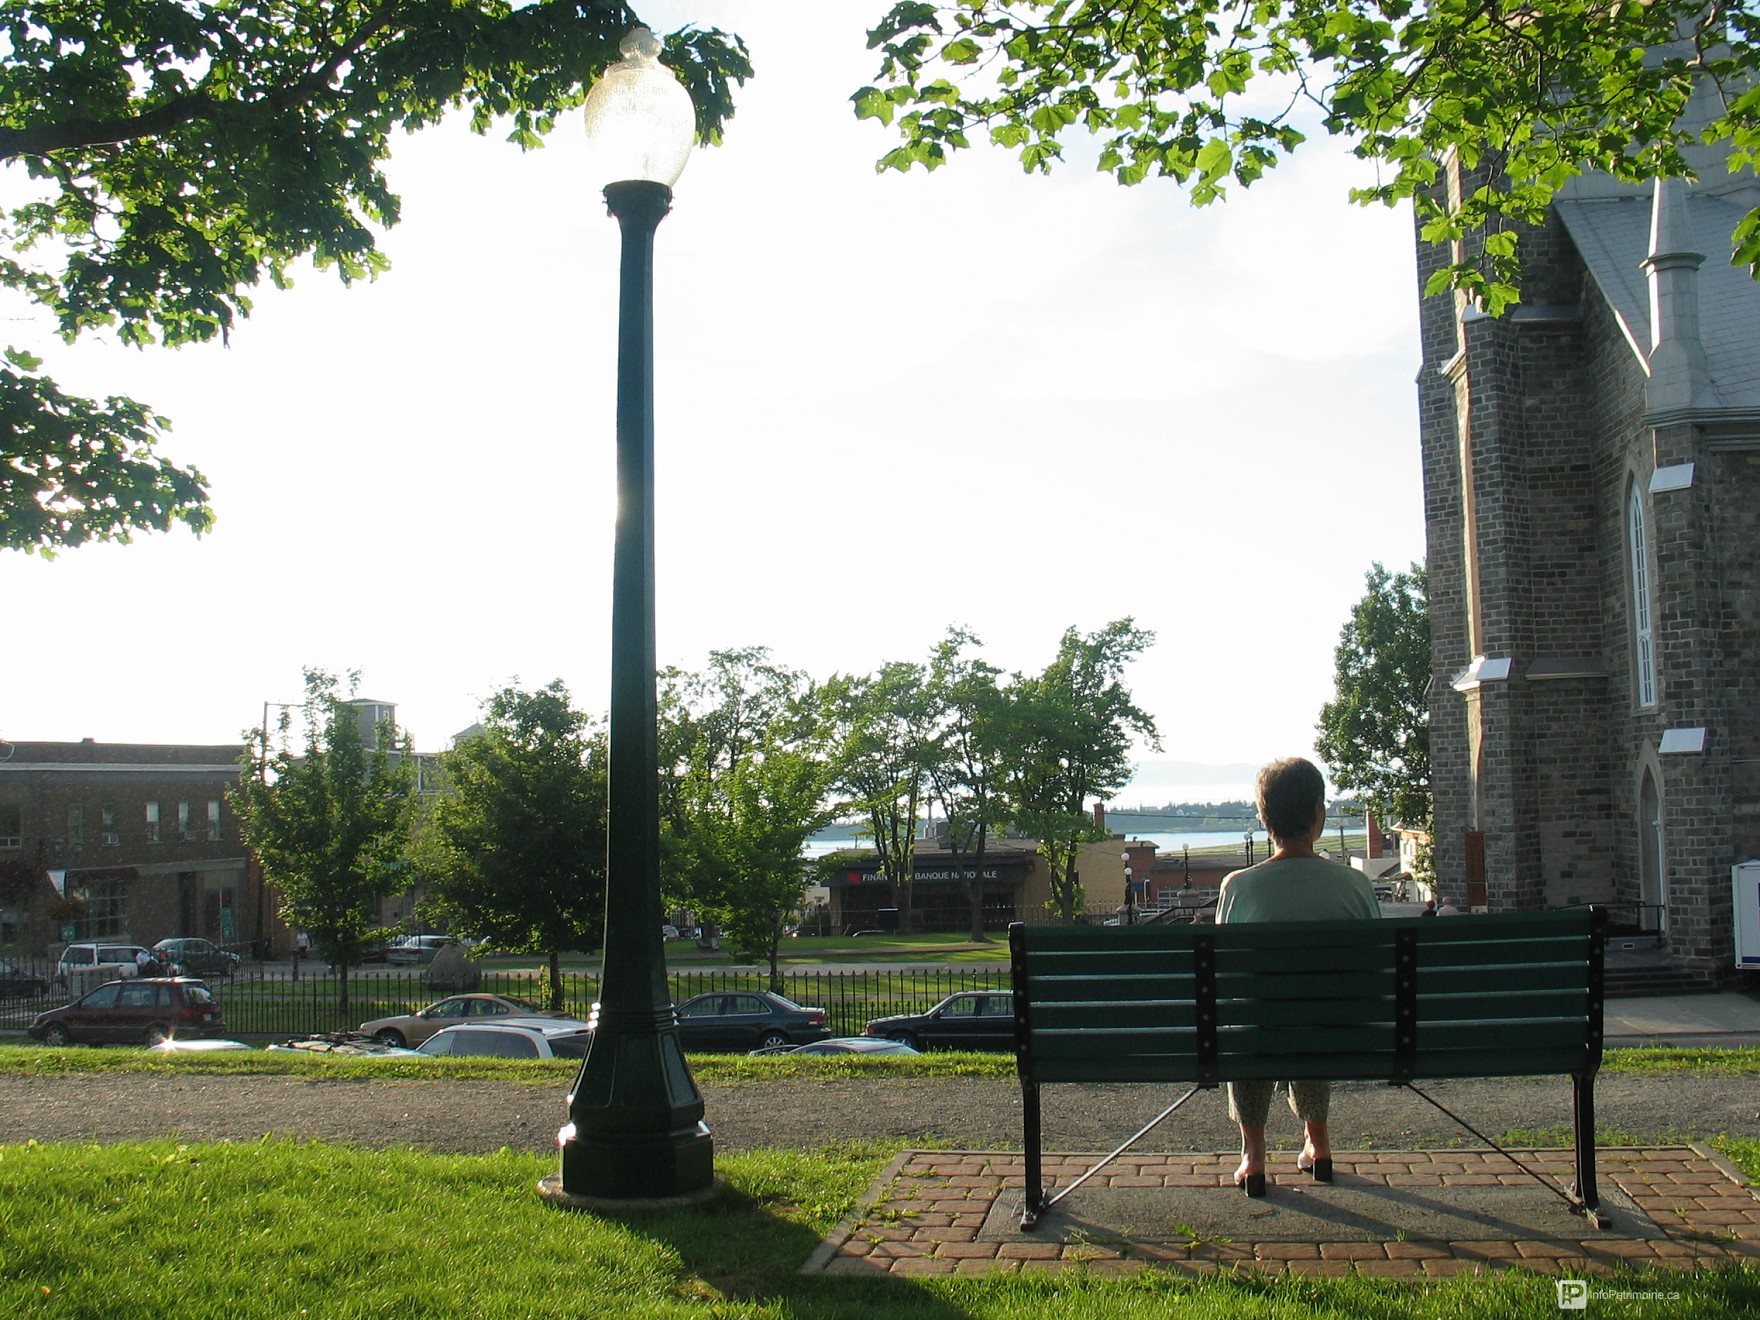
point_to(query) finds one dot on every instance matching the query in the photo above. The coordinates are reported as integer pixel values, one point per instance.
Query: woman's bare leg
(1252, 1152)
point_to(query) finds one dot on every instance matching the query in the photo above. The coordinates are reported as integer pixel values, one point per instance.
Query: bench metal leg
(1581, 1198)
(1583, 1126)
(1035, 1198)
(1037, 1201)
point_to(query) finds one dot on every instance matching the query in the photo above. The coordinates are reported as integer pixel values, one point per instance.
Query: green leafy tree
(514, 848)
(968, 778)
(759, 819)
(1375, 733)
(174, 156)
(1069, 738)
(74, 470)
(1209, 93)
(885, 734)
(744, 781)
(329, 821)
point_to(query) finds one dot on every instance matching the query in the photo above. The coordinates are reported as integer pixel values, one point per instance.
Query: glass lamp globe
(640, 120)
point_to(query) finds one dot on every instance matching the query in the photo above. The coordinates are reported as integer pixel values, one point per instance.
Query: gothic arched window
(1643, 640)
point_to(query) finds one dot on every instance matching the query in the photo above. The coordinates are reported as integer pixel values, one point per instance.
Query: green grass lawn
(26, 1057)
(282, 1229)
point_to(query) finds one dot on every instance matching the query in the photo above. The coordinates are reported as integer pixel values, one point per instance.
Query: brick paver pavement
(924, 1214)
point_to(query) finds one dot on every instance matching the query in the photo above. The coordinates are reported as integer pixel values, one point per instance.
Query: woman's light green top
(1296, 889)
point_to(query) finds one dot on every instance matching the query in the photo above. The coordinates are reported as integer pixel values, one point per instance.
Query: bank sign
(944, 875)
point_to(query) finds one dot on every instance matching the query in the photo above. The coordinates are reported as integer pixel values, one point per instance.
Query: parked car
(88, 961)
(844, 1045)
(414, 1028)
(412, 949)
(144, 1009)
(722, 1020)
(669, 933)
(970, 1020)
(508, 1040)
(197, 957)
(198, 1045)
(21, 981)
(340, 1042)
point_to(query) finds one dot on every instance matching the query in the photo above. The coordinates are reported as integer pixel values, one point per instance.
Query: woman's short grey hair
(1290, 791)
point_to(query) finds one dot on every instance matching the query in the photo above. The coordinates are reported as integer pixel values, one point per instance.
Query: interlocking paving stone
(1411, 1214)
(1363, 1210)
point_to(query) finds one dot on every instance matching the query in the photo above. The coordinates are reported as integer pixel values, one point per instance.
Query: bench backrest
(1510, 995)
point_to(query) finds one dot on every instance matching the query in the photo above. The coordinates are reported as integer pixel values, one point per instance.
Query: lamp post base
(550, 1188)
(625, 1166)
(635, 1126)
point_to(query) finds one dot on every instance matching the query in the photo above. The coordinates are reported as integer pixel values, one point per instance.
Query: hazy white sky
(885, 404)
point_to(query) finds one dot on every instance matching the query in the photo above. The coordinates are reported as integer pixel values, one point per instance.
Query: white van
(92, 962)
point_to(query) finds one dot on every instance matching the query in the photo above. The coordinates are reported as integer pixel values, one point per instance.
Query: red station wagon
(144, 1010)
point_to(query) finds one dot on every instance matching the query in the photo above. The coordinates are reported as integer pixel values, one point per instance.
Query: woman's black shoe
(1321, 1168)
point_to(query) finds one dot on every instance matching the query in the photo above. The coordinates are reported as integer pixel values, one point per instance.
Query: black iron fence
(277, 1005)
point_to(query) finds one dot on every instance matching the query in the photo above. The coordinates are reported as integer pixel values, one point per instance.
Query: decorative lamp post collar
(640, 120)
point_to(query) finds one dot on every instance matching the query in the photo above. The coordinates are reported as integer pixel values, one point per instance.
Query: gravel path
(975, 1114)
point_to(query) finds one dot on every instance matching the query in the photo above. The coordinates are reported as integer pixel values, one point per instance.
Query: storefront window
(106, 909)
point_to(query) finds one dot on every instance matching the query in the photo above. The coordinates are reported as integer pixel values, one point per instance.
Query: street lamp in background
(635, 1130)
(1130, 902)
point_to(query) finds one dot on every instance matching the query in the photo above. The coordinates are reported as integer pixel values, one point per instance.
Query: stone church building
(1592, 495)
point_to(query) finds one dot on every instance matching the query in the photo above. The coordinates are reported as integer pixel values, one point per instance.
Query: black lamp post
(635, 1130)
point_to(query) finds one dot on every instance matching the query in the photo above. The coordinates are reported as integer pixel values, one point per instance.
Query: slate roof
(1613, 235)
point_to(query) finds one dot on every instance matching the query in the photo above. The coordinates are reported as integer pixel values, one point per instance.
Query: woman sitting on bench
(1293, 884)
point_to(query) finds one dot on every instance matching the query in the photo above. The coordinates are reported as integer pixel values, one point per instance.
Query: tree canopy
(1069, 737)
(744, 780)
(175, 156)
(885, 733)
(328, 820)
(1375, 733)
(966, 776)
(514, 849)
(1213, 92)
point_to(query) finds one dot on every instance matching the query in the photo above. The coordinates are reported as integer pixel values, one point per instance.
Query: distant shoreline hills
(1174, 818)
(1183, 818)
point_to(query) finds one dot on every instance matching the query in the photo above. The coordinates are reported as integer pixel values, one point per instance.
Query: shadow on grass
(745, 1248)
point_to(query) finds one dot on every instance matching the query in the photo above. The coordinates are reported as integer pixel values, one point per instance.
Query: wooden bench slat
(1076, 988)
(1475, 980)
(1097, 962)
(1300, 1013)
(1232, 983)
(1292, 962)
(1504, 1009)
(1314, 1041)
(1502, 926)
(1527, 953)
(1563, 1004)
(1374, 1067)
(1121, 1016)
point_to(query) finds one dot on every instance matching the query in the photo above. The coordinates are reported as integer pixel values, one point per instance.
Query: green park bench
(1395, 1001)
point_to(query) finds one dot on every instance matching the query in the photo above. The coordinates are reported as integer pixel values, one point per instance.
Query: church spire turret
(1678, 375)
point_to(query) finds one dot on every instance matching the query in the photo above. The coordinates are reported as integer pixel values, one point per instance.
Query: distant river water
(1164, 843)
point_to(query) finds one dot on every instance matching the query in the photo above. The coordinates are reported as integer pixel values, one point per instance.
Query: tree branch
(42, 139)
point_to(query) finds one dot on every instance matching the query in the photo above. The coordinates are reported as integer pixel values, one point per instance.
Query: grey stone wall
(1549, 767)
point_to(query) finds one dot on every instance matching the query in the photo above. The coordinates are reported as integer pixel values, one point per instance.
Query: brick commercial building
(1592, 495)
(119, 841)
